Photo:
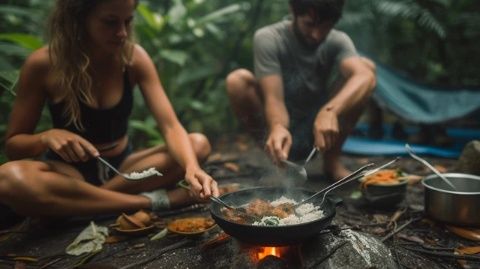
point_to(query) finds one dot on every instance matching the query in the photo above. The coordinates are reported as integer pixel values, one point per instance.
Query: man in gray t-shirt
(309, 86)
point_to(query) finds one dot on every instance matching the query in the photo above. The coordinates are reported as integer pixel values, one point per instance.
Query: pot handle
(336, 200)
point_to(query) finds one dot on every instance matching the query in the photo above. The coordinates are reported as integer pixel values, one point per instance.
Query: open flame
(266, 251)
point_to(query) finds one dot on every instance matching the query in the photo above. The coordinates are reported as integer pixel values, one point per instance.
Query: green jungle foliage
(195, 43)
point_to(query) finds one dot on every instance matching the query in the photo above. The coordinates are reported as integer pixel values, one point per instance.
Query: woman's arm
(21, 141)
(176, 136)
(27, 109)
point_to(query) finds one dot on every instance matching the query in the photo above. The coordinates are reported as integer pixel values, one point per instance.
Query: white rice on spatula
(152, 171)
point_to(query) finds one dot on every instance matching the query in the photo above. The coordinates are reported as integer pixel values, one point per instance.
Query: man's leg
(246, 101)
(333, 167)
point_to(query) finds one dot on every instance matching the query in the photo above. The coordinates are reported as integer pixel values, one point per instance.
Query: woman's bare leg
(159, 158)
(34, 188)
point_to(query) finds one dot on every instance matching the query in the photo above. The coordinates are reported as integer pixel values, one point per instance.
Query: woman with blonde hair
(86, 76)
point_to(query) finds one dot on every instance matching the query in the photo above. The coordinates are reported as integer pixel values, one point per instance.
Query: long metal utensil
(427, 164)
(241, 210)
(366, 173)
(300, 169)
(132, 176)
(337, 183)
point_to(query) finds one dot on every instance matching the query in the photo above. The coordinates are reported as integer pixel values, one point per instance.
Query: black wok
(272, 235)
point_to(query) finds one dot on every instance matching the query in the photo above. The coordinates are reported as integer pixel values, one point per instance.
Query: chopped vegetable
(383, 177)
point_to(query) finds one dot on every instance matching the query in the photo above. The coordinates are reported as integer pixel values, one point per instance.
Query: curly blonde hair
(69, 56)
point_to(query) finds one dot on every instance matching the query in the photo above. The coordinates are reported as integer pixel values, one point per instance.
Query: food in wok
(279, 212)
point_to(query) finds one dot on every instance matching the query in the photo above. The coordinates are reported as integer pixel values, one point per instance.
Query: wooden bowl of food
(191, 225)
(138, 223)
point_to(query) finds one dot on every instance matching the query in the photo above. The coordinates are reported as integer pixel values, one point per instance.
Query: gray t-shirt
(306, 73)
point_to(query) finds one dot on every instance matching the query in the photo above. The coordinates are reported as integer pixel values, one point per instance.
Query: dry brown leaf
(468, 250)
(139, 245)
(112, 239)
(441, 168)
(378, 231)
(413, 179)
(411, 238)
(467, 233)
(380, 218)
(232, 167)
(215, 157)
(396, 216)
(216, 240)
(20, 265)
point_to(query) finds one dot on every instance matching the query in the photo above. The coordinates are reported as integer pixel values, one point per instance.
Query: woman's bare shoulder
(139, 55)
(38, 61)
(141, 63)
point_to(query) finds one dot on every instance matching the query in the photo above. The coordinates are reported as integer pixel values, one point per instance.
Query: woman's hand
(202, 184)
(278, 144)
(71, 147)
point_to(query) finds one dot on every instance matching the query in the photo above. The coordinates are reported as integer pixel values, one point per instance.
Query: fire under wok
(273, 235)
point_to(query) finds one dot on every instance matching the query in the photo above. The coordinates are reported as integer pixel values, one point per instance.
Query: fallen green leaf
(90, 240)
(159, 235)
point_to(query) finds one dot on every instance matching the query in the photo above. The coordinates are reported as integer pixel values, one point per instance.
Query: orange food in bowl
(382, 177)
(191, 225)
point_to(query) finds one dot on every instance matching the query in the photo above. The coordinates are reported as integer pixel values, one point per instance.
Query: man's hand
(202, 184)
(71, 147)
(278, 143)
(326, 129)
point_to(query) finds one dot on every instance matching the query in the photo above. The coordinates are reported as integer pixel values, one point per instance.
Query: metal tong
(353, 176)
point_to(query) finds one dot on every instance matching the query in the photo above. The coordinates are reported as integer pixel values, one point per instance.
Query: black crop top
(100, 125)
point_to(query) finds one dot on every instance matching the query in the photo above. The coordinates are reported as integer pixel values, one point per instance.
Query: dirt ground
(415, 240)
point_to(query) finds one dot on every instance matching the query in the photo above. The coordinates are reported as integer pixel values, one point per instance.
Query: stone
(348, 249)
(469, 160)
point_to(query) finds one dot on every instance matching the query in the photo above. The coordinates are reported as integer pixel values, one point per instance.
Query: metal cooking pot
(272, 235)
(460, 207)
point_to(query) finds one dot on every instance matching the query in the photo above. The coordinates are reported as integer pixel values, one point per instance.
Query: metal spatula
(300, 169)
(134, 176)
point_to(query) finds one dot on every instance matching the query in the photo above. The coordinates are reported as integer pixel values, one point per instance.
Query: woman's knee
(201, 145)
(22, 178)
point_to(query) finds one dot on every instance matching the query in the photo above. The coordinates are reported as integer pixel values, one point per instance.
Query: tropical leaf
(8, 80)
(27, 41)
(176, 13)
(175, 56)
(220, 14)
(15, 10)
(153, 20)
(412, 11)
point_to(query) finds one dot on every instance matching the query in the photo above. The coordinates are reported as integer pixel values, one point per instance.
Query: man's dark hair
(324, 10)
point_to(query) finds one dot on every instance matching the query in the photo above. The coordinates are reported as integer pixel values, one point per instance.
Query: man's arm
(359, 83)
(279, 138)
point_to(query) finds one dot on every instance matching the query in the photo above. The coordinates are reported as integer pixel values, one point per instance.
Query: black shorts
(94, 171)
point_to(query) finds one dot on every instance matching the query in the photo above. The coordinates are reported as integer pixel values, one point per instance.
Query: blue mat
(389, 146)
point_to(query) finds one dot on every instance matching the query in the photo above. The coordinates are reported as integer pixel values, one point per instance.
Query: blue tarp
(419, 103)
(388, 145)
